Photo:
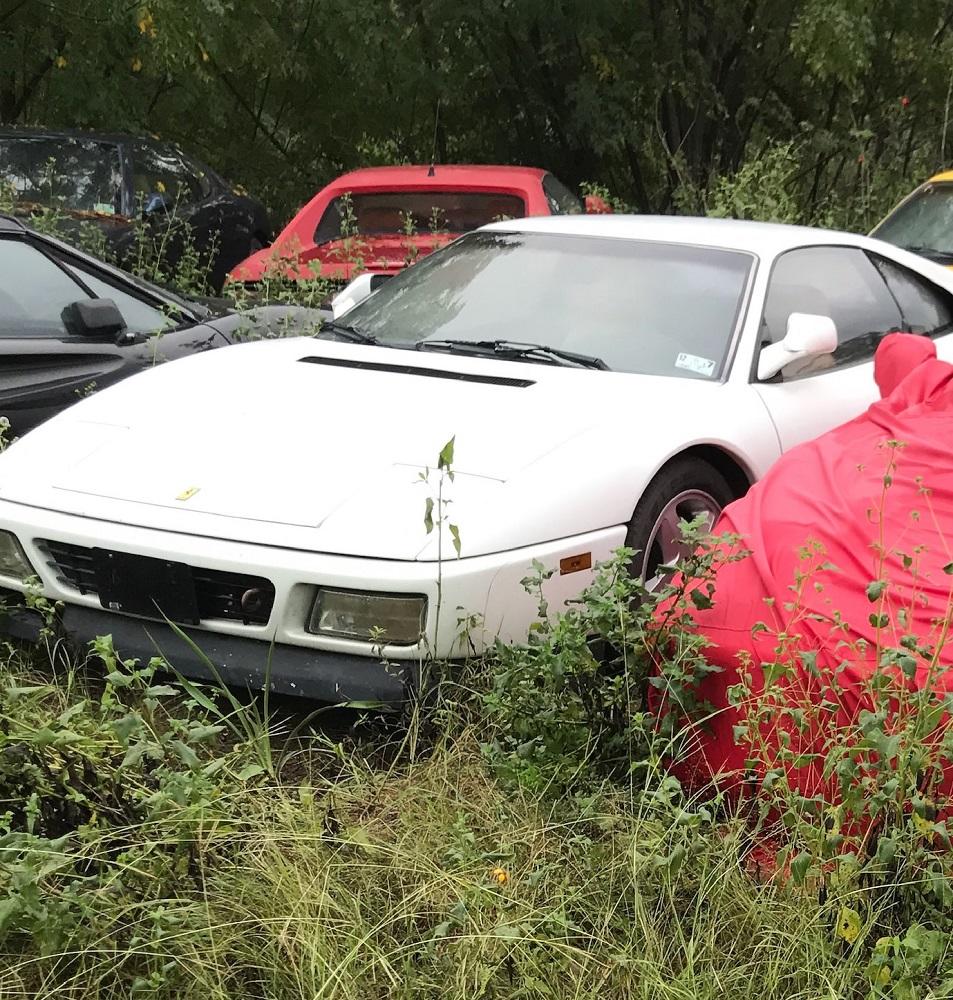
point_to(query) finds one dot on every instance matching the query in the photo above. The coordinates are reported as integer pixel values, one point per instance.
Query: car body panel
(317, 457)
(372, 502)
(294, 251)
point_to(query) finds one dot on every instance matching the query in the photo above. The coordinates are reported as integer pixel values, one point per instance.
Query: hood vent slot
(373, 366)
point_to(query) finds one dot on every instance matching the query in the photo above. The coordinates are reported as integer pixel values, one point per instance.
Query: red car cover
(826, 502)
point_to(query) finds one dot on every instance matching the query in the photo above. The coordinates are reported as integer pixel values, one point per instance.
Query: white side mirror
(356, 291)
(807, 335)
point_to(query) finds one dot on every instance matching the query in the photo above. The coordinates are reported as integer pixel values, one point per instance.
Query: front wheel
(682, 491)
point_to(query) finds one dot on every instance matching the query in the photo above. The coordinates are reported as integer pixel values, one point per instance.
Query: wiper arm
(346, 332)
(514, 350)
(925, 251)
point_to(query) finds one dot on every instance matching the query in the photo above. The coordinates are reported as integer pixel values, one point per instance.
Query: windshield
(924, 223)
(79, 174)
(386, 213)
(649, 308)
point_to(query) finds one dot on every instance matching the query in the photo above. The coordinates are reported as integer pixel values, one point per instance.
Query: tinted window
(660, 309)
(561, 200)
(839, 282)
(383, 213)
(923, 223)
(925, 307)
(71, 173)
(33, 292)
(159, 172)
(140, 316)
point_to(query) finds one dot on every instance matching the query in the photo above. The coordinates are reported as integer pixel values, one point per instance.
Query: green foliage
(110, 790)
(656, 102)
(580, 700)
(158, 842)
(143, 855)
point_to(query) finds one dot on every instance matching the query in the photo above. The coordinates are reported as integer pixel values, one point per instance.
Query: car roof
(18, 131)
(943, 175)
(731, 234)
(441, 175)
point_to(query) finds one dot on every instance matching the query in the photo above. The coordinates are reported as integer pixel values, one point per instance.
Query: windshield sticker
(693, 363)
(104, 208)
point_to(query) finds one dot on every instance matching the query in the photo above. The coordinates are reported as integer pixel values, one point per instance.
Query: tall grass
(368, 865)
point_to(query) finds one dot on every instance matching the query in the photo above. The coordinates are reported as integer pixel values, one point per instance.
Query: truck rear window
(386, 213)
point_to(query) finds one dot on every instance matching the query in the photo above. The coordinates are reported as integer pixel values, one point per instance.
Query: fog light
(13, 561)
(355, 614)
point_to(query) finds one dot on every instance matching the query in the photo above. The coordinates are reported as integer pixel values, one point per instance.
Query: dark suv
(114, 180)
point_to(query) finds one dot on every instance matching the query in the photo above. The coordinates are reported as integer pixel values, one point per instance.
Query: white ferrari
(602, 377)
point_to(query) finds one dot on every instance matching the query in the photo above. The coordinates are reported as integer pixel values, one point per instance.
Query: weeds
(522, 837)
(534, 844)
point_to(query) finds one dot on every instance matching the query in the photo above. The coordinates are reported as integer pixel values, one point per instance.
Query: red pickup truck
(381, 218)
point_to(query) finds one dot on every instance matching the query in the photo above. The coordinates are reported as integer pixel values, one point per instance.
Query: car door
(187, 209)
(44, 366)
(809, 397)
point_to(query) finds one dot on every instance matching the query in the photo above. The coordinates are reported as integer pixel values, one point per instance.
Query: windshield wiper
(346, 332)
(925, 251)
(514, 350)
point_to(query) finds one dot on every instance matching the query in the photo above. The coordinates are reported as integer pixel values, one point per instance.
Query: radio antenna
(433, 149)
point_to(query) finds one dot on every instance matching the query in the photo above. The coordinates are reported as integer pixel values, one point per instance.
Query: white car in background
(603, 378)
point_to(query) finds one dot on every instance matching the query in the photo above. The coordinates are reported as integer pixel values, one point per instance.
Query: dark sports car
(70, 325)
(115, 180)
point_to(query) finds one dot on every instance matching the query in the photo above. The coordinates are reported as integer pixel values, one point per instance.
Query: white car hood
(255, 443)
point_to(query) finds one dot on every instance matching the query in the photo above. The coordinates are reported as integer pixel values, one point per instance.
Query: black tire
(691, 478)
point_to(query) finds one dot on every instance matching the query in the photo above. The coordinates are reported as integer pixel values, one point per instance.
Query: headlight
(355, 614)
(13, 562)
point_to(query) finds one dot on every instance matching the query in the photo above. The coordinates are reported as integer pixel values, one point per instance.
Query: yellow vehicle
(923, 221)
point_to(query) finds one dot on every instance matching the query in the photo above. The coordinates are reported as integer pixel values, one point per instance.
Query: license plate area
(141, 585)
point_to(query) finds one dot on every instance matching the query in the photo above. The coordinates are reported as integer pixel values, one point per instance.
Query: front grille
(218, 593)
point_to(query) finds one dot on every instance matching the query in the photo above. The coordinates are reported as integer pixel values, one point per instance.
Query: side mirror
(94, 318)
(357, 291)
(807, 335)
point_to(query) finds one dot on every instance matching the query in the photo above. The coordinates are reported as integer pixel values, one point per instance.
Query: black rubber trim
(377, 366)
(241, 661)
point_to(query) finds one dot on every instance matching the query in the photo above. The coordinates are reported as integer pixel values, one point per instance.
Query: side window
(33, 292)
(79, 174)
(561, 200)
(839, 282)
(925, 307)
(140, 316)
(160, 175)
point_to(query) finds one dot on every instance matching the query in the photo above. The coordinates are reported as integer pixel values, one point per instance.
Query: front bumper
(241, 662)
(485, 593)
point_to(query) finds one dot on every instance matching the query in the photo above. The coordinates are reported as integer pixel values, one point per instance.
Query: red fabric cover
(830, 490)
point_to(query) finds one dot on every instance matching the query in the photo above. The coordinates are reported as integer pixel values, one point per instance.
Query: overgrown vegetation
(522, 836)
(825, 108)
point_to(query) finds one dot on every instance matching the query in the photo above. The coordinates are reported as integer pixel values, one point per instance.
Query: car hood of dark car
(266, 323)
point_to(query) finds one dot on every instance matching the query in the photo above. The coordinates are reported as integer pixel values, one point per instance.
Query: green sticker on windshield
(104, 208)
